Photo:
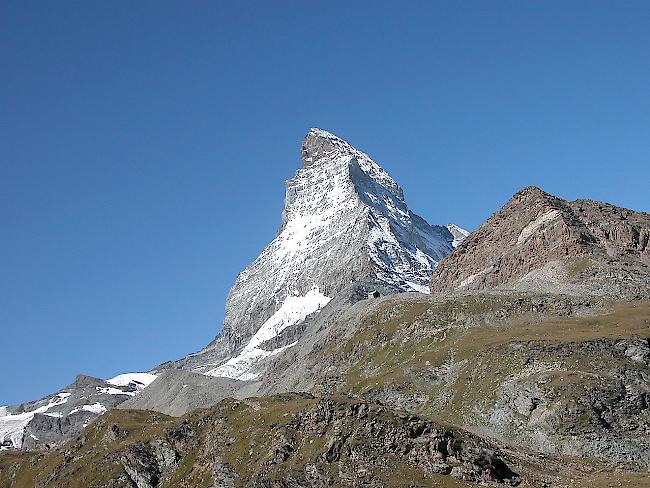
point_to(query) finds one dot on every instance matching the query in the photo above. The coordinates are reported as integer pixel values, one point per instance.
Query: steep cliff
(345, 220)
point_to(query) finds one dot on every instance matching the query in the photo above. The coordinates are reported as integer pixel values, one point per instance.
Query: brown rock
(539, 238)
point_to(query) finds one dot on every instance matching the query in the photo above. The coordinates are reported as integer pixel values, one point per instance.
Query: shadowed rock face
(541, 242)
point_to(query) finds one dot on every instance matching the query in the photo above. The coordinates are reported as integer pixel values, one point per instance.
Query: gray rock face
(345, 220)
(176, 392)
(589, 400)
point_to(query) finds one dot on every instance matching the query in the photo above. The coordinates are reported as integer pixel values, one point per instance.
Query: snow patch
(531, 228)
(96, 408)
(12, 427)
(114, 391)
(458, 233)
(139, 380)
(419, 288)
(294, 310)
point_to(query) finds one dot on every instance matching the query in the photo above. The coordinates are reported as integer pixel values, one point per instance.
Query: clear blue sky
(144, 145)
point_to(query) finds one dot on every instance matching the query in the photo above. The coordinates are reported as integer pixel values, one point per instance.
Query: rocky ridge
(541, 242)
(345, 220)
(293, 440)
(48, 422)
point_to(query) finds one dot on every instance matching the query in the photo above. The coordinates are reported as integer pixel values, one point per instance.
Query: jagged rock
(539, 242)
(286, 440)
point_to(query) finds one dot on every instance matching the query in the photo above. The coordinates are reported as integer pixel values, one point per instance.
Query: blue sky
(144, 145)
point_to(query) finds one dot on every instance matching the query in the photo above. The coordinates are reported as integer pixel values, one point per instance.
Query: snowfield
(293, 311)
(12, 427)
(139, 380)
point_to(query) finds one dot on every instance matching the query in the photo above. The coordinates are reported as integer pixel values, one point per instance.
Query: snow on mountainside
(293, 310)
(139, 380)
(70, 409)
(345, 220)
(13, 426)
(458, 233)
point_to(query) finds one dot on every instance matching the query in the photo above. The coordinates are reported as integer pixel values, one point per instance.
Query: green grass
(392, 348)
(385, 358)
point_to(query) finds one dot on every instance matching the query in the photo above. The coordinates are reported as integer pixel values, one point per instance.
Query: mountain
(458, 234)
(541, 242)
(48, 421)
(528, 364)
(345, 220)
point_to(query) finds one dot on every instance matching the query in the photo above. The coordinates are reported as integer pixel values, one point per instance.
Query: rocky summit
(538, 241)
(344, 221)
(365, 347)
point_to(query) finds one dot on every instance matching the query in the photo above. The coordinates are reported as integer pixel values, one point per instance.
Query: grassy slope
(414, 335)
(240, 432)
(392, 347)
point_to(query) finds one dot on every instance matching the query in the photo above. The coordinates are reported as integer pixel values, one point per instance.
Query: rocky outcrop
(539, 242)
(288, 440)
(583, 399)
(359, 437)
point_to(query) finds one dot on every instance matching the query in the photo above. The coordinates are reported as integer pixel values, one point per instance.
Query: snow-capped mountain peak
(345, 226)
(459, 234)
(344, 220)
